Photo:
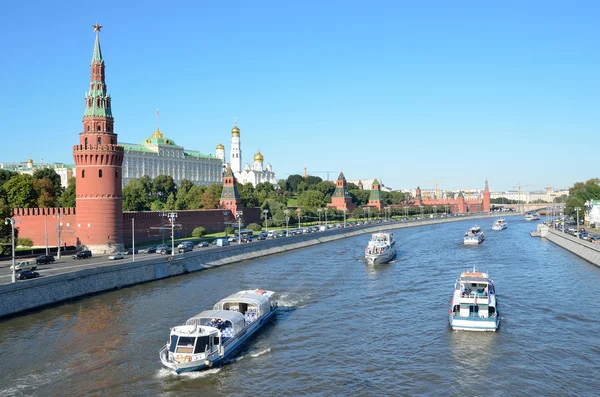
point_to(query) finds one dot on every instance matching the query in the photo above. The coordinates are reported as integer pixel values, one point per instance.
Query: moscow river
(345, 329)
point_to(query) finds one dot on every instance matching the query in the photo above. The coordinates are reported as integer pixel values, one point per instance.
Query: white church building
(255, 173)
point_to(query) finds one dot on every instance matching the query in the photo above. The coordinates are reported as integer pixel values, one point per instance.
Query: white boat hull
(474, 241)
(215, 358)
(489, 324)
(379, 259)
(498, 228)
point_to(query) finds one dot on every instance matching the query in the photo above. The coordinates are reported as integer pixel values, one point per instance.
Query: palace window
(99, 141)
(99, 173)
(83, 173)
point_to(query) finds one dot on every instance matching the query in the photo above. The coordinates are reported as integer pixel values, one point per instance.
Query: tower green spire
(97, 55)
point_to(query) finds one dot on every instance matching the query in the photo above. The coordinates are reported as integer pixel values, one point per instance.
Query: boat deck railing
(475, 317)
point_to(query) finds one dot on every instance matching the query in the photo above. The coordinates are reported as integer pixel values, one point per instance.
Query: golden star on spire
(97, 27)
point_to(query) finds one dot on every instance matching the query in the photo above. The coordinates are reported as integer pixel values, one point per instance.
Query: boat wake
(288, 302)
(253, 355)
(166, 373)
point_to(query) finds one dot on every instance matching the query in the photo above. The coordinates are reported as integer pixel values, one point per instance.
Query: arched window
(99, 141)
(88, 128)
(83, 173)
(99, 127)
(86, 138)
(117, 174)
(99, 173)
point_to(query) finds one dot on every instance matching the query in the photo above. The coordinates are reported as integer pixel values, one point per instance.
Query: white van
(222, 242)
(25, 265)
(272, 234)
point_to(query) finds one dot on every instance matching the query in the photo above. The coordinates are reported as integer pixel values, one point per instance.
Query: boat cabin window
(473, 310)
(215, 340)
(201, 344)
(185, 344)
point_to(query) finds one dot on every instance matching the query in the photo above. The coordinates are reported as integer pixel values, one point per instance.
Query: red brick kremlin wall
(34, 222)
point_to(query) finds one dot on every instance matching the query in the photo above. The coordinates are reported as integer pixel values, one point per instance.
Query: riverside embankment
(22, 296)
(584, 249)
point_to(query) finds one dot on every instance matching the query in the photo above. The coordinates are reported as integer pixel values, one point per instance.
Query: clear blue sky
(404, 91)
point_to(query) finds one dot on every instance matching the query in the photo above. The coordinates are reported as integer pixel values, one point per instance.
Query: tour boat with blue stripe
(381, 248)
(532, 216)
(212, 336)
(474, 236)
(500, 224)
(474, 306)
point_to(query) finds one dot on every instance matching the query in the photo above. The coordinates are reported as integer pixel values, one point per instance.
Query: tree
(20, 192)
(182, 198)
(67, 199)
(24, 242)
(45, 192)
(580, 193)
(311, 199)
(5, 176)
(198, 232)
(293, 181)
(51, 175)
(351, 186)
(170, 204)
(194, 197)
(5, 230)
(360, 197)
(135, 196)
(255, 226)
(246, 192)
(162, 186)
(212, 196)
(312, 180)
(229, 230)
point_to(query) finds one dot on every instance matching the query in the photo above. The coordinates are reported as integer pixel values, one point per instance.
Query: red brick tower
(418, 197)
(486, 197)
(98, 160)
(230, 199)
(376, 197)
(341, 198)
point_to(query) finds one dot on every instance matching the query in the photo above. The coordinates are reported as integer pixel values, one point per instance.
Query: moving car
(130, 251)
(184, 248)
(165, 251)
(44, 259)
(25, 274)
(149, 250)
(118, 255)
(24, 265)
(203, 244)
(83, 254)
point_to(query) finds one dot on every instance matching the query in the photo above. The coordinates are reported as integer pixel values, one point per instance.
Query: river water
(345, 329)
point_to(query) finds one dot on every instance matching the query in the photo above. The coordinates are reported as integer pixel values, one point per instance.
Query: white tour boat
(381, 248)
(474, 236)
(532, 216)
(212, 336)
(474, 306)
(500, 224)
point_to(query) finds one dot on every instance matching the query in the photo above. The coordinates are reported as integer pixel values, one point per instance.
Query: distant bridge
(530, 207)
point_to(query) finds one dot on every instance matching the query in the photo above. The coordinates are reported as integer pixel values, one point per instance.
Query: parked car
(184, 248)
(118, 255)
(262, 236)
(44, 259)
(232, 239)
(183, 243)
(165, 251)
(83, 254)
(203, 244)
(24, 265)
(25, 274)
(246, 239)
(130, 251)
(149, 250)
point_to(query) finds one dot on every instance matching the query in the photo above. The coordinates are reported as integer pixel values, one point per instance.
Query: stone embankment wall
(584, 249)
(22, 296)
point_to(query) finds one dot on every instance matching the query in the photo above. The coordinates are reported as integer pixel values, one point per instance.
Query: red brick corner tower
(486, 197)
(98, 160)
(230, 199)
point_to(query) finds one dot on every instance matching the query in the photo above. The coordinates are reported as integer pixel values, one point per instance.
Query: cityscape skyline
(451, 94)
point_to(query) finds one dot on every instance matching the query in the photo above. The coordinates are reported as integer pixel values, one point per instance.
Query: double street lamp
(577, 209)
(172, 216)
(12, 229)
(238, 215)
(266, 212)
(299, 211)
(345, 210)
(287, 222)
(319, 211)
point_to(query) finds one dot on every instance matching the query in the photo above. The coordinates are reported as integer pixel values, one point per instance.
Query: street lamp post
(133, 239)
(172, 216)
(162, 228)
(319, 211)
(266, 212)
(46, 234)
(299, 211)
(238, 215)
(325, 216)
(368, 213)
(434, 211)
(421, 211)
(12, 230)
(345, 210)
(287, 222)
(365, 214)
(577, 209)
(406, 212)
(58, 230)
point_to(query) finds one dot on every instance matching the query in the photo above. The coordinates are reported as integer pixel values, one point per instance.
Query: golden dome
(259, 157)
(235, 131)
(220, 146)
(157, 134)
(30, 161)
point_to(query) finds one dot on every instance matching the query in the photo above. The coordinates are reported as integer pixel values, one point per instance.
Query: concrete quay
(36, 293)
(584, 249)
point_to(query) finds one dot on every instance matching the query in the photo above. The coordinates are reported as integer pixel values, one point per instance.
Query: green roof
(97, 56)
(135, 148)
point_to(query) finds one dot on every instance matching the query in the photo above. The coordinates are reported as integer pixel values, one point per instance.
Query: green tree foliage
(325, 187)
(51, 175)
(198, 232)
(229, 230)
(255, 226)
(194, 197)
(5, 230)
(311, 199)
(136, 196)
(212, 196)
(45, 192)
(162, 187)
(5, 176)
(170, 204)
(246, 192)
(351, 186)
(276, 212)
(580, 193)
(292, 182)
(182, 199)
(360, 197)
(264, 191)
(67, 200)
(312, 180)
(20, 192)
(24, 242)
